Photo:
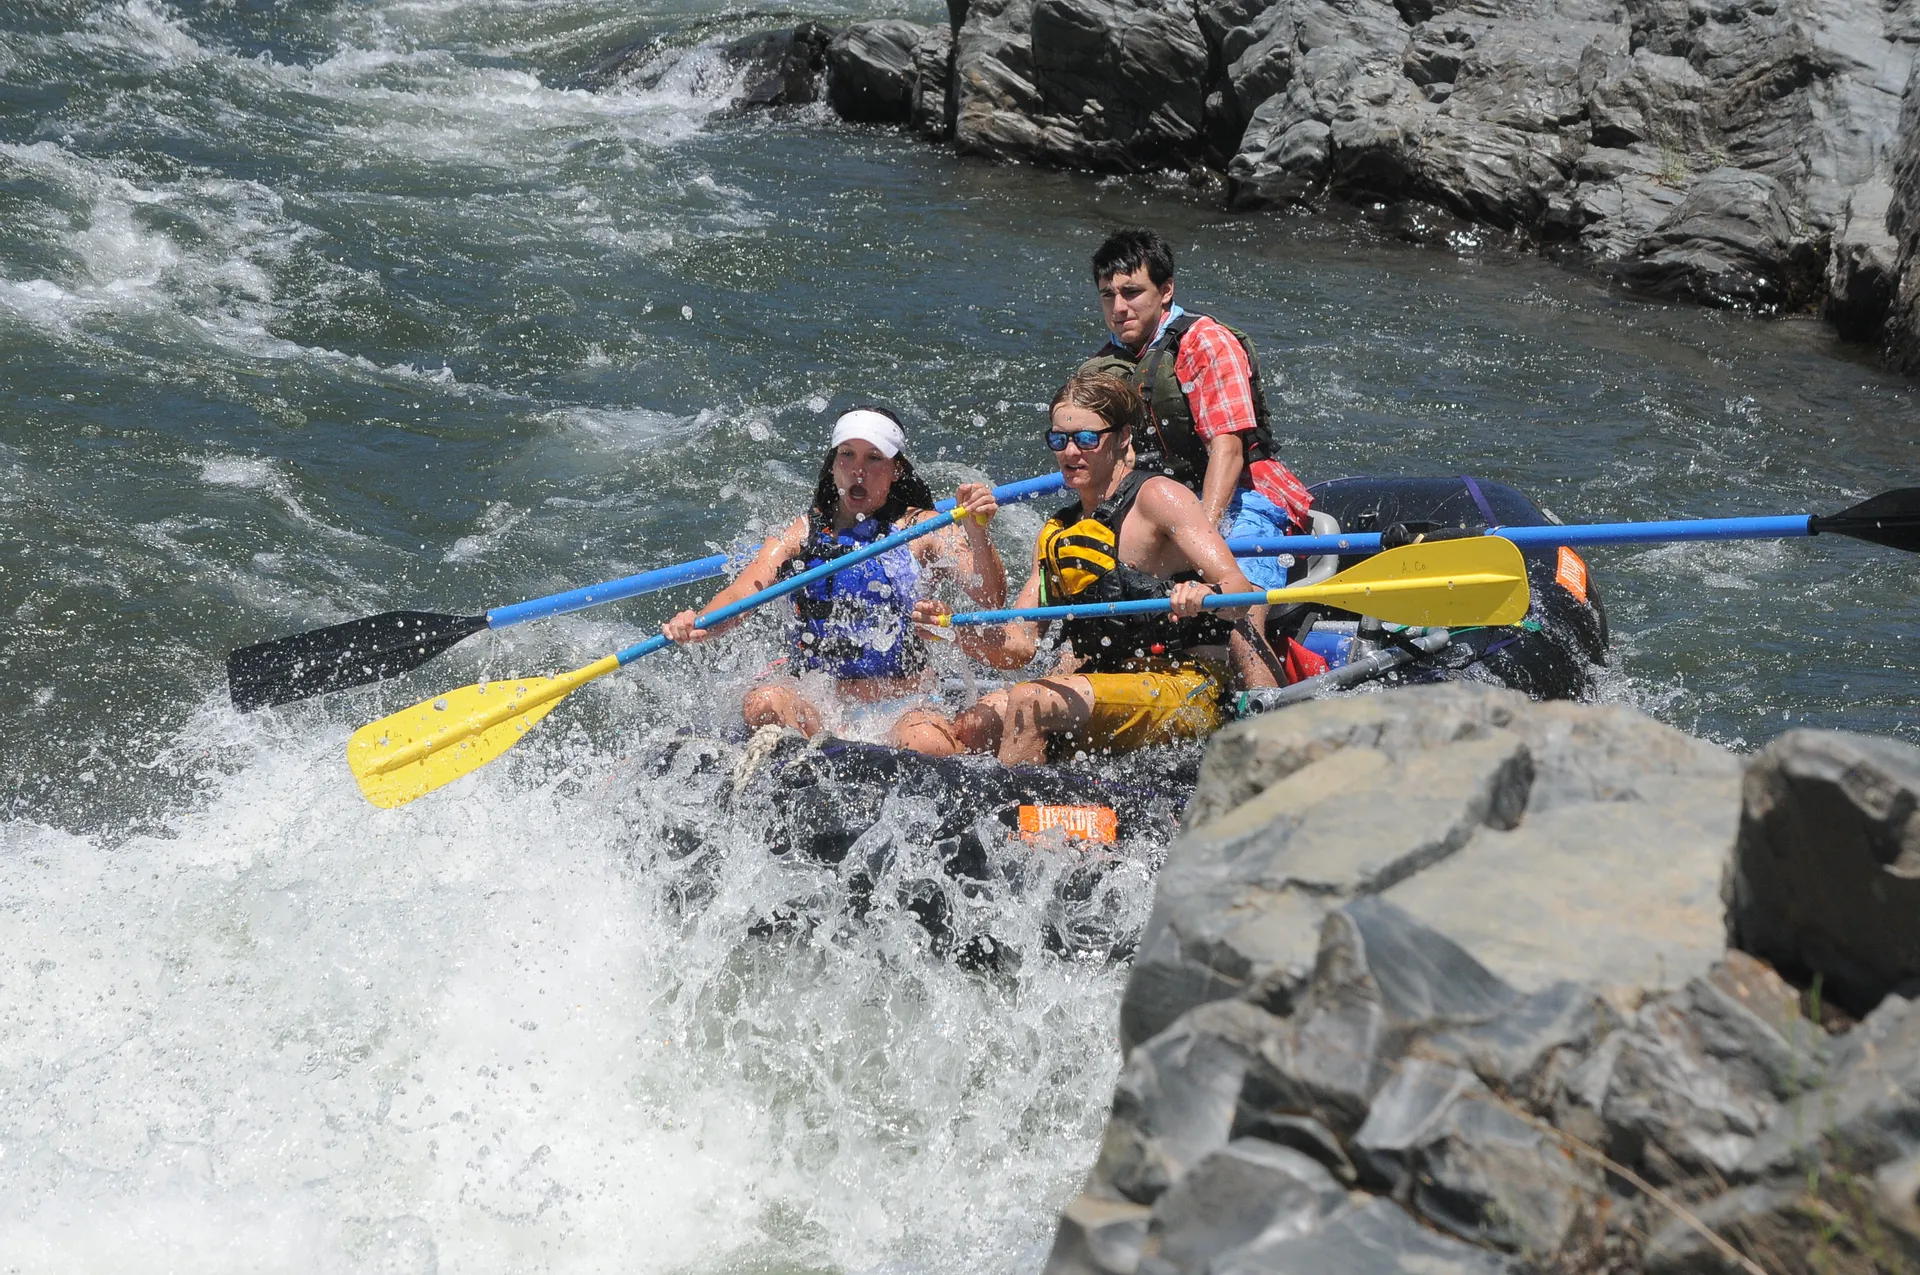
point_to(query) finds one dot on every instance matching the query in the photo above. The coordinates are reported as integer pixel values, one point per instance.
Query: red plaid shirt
(1214, 374)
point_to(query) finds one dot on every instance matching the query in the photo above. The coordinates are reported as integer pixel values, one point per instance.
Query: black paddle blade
(1892, 519)
(341, 655)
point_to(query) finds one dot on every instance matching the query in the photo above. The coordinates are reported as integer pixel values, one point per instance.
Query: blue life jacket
(859, 622)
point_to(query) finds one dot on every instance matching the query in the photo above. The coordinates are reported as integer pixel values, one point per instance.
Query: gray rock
(782, 68)
(870, 71)
(934, 100)
(1098, 1237)
(1351, 848)
(1109, 84)
(1523, 1052)
(1753, 1218)
(1688, 1088)
(1248, 1191)
(1734, 241)
(1280, 163)
(1863, 265)
(1381, 981)
(1251, 756)
(1902, 336)
(1826, 875)
(1128, 74)
(1303, 1134)
(1654, 99)
(1264, 47)
(1401, 1119)
(1623, 895)
(998, 109)
(1834, 1181)
(1418, 792)
(1866, 1116)
(1898, 1186)
(1177, 1099)
(1376, 1239)
(1467, 1161)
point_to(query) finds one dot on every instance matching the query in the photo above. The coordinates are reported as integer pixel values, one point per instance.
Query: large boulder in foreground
(1826, 876)
(1436, 980)
(1552, 841)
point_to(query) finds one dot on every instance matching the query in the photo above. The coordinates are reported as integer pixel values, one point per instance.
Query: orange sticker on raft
(1085, 823)
(1572, 574)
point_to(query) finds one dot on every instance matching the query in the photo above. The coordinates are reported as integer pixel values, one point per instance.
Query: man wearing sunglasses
(1126, 681)
(1207, 419)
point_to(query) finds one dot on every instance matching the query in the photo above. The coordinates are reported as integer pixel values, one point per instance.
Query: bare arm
(1178, 516)
(1009, 645)
(1226, 461)
(971, 557)
(757, 575)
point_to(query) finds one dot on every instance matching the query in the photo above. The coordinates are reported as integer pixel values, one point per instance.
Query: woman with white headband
(856, 626)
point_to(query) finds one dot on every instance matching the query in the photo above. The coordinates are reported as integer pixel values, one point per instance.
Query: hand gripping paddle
(1448, 583)
(376, 647)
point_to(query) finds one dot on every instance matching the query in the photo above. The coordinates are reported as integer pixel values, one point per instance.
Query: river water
(310, 311)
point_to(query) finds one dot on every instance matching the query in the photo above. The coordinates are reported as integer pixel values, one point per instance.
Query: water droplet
(440, 705)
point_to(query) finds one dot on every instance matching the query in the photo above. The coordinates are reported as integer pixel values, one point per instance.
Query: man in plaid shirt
(1202, 387)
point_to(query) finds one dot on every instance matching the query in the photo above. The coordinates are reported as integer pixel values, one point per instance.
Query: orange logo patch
(1084, 823)
(1572, 574)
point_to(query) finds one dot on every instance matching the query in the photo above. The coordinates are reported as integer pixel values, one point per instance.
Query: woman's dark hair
(1107, 395)
(909, 490)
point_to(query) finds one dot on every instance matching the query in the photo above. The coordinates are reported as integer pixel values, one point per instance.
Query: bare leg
(1035, 710)
(978, 729)
(780, 704)
(925, 732)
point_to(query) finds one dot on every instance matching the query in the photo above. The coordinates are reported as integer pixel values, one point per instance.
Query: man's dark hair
(909, 490)
(1125, 251)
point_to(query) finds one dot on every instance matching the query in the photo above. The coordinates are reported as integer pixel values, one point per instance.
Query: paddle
(1453, 583)
(416, 750)
(376, 647)
(1892, 519)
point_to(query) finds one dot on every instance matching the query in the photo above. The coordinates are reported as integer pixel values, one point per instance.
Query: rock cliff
(1755, 154)
(1439, 980)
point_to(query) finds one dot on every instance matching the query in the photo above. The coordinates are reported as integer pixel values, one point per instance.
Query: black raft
(1552, 654)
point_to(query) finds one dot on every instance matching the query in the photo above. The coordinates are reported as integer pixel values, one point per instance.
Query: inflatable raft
(1553, 654)
(976, 825)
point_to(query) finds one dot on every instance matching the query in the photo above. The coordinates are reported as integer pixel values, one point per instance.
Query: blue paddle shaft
(612, 591)
(1144, 606)
(1779, 527)
(1009, 494)
(699, 569)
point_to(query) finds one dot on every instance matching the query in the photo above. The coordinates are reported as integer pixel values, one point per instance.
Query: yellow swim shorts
(1151, 706)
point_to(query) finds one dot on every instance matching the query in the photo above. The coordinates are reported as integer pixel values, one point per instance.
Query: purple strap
(1480, 499)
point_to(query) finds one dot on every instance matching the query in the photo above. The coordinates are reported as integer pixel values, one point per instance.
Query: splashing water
(316, 311)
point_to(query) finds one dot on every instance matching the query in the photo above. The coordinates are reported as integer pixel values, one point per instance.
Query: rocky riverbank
(1441, 980)
(1758, 155)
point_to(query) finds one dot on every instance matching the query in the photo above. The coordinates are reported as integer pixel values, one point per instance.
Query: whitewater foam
(490, 1030)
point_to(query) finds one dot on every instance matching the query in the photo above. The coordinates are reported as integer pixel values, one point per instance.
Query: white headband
(871, 427)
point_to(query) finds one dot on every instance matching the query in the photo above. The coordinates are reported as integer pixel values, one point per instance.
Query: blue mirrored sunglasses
(1085, 439)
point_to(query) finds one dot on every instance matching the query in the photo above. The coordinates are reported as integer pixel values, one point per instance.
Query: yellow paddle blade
(1448, 583)
(416, 750)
